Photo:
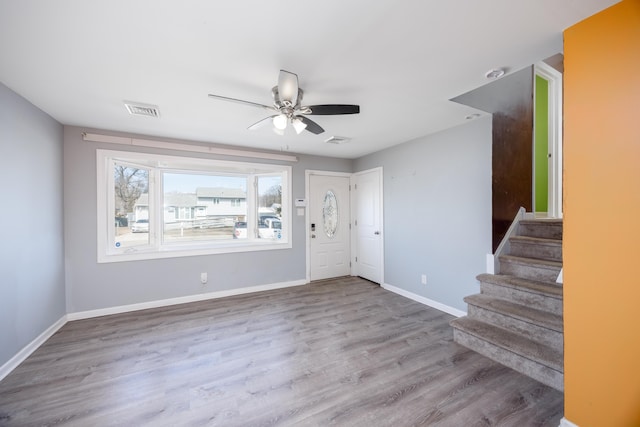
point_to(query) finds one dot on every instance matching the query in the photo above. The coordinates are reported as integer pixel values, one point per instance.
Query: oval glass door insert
(330, 214)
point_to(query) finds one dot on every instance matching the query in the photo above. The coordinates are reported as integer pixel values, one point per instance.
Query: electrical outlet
(203, 278)
(423, 279)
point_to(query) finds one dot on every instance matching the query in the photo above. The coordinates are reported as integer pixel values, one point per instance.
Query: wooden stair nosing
(521, 312)
(510, 341)
(531, 262)
(548, 289)
(543, 241)
(554, 222)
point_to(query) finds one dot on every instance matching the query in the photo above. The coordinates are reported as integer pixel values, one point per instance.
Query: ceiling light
(298, 125)
(495, 73)
(280, 121)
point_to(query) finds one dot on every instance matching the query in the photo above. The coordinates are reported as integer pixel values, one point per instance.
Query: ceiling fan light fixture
(280, 122)
(298, 125)
(278, 131)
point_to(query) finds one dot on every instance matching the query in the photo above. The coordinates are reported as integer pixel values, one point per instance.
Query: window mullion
(252, 207)
(156, 208)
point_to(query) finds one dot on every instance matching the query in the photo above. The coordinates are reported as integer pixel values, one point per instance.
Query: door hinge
(356, 259)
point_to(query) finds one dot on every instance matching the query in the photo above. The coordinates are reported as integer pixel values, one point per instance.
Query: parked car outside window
(140, 226)
(240, 230)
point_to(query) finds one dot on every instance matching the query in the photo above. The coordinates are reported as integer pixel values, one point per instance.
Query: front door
(328, 226)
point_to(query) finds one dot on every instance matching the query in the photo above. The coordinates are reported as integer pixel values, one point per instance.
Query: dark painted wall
(510, 100)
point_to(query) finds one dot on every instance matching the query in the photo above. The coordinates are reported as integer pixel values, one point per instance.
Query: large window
(154, 206)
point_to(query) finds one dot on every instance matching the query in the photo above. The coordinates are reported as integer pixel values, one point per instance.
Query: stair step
(536, 247)
(530, 268)
(527, 314)
(541, 295)
(529, 357)
(535, 324)
(545, 228)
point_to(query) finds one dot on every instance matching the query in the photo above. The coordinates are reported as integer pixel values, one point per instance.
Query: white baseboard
(180, 300)
(26, 351)
(425, 301)
(566, 423)
(12, 363)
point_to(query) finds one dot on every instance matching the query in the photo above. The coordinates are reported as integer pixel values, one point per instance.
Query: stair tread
(549, 289)
(538, 262)
(550, 221)
(513, 342)
(537, 240)
(522, 312)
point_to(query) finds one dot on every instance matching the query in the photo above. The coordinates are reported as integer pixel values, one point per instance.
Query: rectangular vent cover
(337, 140)
(138, 109)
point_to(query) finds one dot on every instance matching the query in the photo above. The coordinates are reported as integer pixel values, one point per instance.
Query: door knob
(376, 233)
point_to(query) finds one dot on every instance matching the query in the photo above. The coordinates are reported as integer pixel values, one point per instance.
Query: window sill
(178, 251)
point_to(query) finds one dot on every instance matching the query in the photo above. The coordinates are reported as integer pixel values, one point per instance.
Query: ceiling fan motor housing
(280, 103)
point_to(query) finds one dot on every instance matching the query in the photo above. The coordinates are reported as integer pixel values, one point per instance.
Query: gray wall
(93, 286)
(32, 294)
(437, 211)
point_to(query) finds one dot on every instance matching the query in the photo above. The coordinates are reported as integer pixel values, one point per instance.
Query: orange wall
(602, 218)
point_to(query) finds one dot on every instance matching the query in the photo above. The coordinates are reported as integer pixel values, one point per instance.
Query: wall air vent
(337, 140)
(138, 109)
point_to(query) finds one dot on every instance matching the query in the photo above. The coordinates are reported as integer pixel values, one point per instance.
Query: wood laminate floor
(341, 352)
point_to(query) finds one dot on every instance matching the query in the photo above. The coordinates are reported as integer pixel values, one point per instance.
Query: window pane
(131, 201)
(200, 207)
(330, 215)
(270, 207)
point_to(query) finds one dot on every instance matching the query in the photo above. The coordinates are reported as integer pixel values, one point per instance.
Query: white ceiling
(400, 60)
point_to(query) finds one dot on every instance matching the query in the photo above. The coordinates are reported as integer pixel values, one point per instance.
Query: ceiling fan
(288, 108)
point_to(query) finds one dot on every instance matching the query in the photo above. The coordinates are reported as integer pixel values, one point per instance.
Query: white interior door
(328, 226)
(369, 253)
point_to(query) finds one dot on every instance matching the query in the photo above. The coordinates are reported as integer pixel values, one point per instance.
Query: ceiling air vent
(337, 140)
(138, 109)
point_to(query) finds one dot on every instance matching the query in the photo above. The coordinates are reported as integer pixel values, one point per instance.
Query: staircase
(516, 319)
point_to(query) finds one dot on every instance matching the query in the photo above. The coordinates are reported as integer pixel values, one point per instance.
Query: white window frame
(157, 164)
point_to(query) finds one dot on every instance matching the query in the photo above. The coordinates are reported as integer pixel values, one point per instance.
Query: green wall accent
(541, 132)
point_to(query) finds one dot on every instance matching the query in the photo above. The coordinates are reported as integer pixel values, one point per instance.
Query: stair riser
(530, 250)
(541, 302)
(541, 229)
(528, 367)
(535, 332)
(533, 272)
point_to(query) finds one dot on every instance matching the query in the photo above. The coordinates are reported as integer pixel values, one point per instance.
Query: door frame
(307, 219)
(554, 78)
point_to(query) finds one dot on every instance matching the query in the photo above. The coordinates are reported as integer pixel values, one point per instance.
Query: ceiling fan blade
(240, 101)
(261, 123)
(332, 109)
(288, 87)
(312, 126)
